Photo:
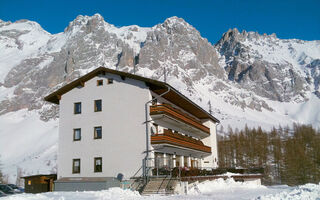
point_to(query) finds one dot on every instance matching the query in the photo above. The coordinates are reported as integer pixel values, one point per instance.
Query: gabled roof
(158, 87)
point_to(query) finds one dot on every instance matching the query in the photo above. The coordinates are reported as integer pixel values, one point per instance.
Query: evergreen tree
(288, 156)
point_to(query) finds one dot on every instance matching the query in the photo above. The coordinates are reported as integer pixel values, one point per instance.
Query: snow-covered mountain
(247, 77)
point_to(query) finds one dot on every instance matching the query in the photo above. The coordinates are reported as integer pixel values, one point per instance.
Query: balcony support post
(182, 161)
(189, 161)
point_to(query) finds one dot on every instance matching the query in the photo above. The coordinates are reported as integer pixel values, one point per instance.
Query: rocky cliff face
(266, 65)
(245, 78)
(243, 69)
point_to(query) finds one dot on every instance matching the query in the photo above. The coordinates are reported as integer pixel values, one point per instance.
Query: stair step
(159, 186)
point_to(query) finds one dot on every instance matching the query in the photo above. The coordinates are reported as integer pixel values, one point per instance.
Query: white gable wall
(123, 129)
(212, 160)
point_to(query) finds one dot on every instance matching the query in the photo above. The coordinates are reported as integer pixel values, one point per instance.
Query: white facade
(122, 121)
(123, 143)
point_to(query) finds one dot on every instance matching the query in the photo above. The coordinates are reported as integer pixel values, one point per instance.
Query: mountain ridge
(247, 77)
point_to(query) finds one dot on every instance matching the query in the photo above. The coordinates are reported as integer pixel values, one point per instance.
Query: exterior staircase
(160, 186)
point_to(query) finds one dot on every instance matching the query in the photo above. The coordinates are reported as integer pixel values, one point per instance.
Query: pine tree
(288, 156)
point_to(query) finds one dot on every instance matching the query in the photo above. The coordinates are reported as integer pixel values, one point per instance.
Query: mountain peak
(174, 20)
(22, 25)
(94, 21)
(2, 23)
(177, 25)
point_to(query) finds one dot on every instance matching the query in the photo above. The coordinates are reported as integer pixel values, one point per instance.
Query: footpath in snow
(217, 189)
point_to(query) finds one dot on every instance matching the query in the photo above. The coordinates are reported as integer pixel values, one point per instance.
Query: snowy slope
(19, 41)
(253, 79)
(27, 143)
(218, 190)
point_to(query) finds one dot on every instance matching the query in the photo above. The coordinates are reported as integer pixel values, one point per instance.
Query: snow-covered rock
(248, 78)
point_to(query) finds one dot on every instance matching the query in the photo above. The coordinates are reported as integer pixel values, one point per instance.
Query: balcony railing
(177, 139)
(178, 115)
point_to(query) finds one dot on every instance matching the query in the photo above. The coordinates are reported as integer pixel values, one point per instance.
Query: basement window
(99, 82)
(76, 166)
(110, 80)
(98, 164)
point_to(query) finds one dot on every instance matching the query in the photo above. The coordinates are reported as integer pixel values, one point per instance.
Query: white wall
(212, 160)
(123, 129)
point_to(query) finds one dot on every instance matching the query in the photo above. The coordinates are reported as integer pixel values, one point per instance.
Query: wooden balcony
(168, 110)
(176, 139)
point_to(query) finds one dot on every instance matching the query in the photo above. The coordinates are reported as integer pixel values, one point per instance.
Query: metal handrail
(137, 172)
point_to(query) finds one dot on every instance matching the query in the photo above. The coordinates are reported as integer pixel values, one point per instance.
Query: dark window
(98, 132)
(98, 164)
(154, 101)
(98, 105)
(99, 82)
(77, 108)
(76, 166)
(110, 80)
(76, 134)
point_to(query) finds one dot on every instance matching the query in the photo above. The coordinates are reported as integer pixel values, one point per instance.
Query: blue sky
(288, 19)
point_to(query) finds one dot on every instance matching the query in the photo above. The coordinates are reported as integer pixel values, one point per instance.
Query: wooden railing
(179, 115)
(177, 139)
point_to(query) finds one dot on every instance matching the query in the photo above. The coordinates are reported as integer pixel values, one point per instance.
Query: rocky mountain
(247, 77)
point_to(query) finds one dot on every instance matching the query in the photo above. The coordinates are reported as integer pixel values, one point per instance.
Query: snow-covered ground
(218, 189)
(27, 144)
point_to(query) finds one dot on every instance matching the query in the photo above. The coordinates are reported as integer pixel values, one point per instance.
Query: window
(110, 80)
(76, 166)
(99, 82)
(98, 132)
(98, 105)
(98, 164)
(76, 134)
(154, 101)
(77, 108)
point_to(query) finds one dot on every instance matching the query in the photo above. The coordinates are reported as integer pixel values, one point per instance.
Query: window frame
(95, 166)
(74, 108)
(100, 82)
(110, 81)
(74, 171)
(95, 105)
(95, 136)
(74, 134)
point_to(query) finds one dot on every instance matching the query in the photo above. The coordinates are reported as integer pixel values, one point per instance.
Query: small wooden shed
(39, 183)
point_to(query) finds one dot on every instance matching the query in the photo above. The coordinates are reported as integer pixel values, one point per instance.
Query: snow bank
(112, 194)
(220, 184)
(217, 189)
(306, 192)
(229, 189)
